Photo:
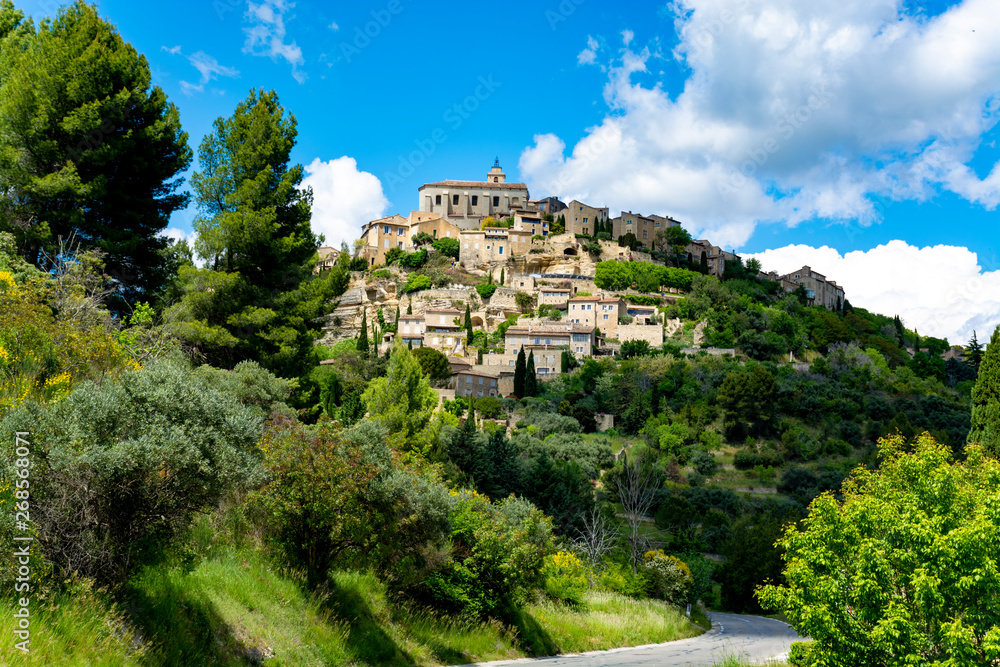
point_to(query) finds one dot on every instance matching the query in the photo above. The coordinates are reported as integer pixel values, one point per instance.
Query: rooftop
(475, 184)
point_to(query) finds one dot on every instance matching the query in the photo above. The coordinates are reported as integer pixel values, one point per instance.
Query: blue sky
(858, 136)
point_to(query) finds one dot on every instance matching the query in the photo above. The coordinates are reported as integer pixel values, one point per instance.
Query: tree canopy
(905, 569)
(90, 147)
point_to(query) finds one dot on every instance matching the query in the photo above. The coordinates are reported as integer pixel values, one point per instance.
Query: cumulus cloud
(791, 111)
(942, 291)
(266, 36)
(207, 66)
(344, 198)
(176, 234)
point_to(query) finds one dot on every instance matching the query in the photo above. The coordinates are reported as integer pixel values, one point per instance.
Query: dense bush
(497, 554)
(565, 577)
(122, 467)
(415, 283)
(668, 577)
(486, 290)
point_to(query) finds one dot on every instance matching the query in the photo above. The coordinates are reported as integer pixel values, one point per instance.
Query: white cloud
(266, 36)
(791, 111)
(942, 291)
(176, 234)
(589, 55)
(207, 66)
(627, 37)
(173, 50)
(344, 198)
(334, 27)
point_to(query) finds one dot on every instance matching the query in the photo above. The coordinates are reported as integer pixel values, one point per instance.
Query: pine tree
(504, 472)
(468, 325)
(363, 338)
(530, 378)
(519, 373)
(975, 351)
(985, 426)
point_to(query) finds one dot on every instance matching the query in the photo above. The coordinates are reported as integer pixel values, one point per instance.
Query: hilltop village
(500, 272)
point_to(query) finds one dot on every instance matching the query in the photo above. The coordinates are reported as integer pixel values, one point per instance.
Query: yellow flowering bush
(565, 577)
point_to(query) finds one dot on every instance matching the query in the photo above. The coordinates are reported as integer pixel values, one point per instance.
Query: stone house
(494, 244)
(577, 338)
(474, 382)
(580, 217)
(466, 203)
(819, 290)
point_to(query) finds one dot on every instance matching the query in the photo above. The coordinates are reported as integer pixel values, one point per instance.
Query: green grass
(733, 661)
(234, 609)
(610, 620)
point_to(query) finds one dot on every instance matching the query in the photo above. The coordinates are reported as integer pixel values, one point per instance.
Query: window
(386, 242)
(385, 230)
(585, 222)
(496, 179)
(437, 199)
(500, 250)
(512, 361)
(434, 232)
(480, 382)
(475, 200)
(400, 231)
(585, 230)
(605, 317)
(477, 246)
(514, 201)
(454, 200)
(496, 200)
(644, 233)
(399, 244)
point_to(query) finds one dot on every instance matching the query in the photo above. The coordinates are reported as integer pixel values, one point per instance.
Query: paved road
(749, 637)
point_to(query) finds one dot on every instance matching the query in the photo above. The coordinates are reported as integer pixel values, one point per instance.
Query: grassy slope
(232, 609)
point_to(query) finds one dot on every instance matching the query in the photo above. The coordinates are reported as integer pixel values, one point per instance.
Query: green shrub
(800, 654)
(486, 290)
(669, 578)
(565, 577)
(383, 273)
(128, 463)
(415, 283)
(619, 578)
(497, 552)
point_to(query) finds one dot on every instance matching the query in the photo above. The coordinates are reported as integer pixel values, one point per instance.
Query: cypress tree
(504, 473)
(564, 362)
(530, 379)
(519, 373)
(975, 352)
(704, 263)
(985, 426)
(409, 307)
(395, 322)
(468, 325)
(479, 357)
(502, 276)
(363, 338)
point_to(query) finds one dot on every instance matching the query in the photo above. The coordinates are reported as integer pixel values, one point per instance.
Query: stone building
(577, 338)
(715, 257)
(581, 218)
(531, 222)
(440, 328)
(466, 203)
(410, 330)
(396, 231)
(583, 310)
(475, 382)
(553, 296)
(819, 290)
(494, 244)
(644, 227)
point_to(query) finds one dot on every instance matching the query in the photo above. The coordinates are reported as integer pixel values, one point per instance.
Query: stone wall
(651, 333)
(604, 422)
(714, 351)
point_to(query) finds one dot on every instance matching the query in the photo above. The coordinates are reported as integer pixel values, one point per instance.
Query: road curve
(751, 637)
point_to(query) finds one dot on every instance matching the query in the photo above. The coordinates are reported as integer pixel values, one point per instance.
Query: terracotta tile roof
(475, 184)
